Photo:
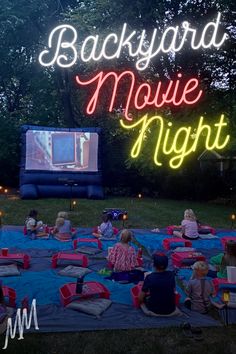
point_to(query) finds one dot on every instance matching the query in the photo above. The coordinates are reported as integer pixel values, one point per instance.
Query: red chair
(69, 257)
(115, 230)
(47, 229)
(87, 240)
(222, 283)
(140, 257)
(170, 229)
(18, 256)
(168, 242)
(10, 294)
(90, 289)
(186, 259)
(206, 229)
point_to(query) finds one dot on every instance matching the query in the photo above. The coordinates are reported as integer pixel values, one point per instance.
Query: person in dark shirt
(158, 291)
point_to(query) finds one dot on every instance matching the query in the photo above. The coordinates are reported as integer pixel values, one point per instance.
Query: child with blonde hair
(199, 289)
(189, 226)
(122, 256)
(62, 229)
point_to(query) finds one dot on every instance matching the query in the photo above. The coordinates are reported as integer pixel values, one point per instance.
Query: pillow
(8, 261)
(94, 306)
(88, 250)
(148, 312)
(103, 238)
(75, 272)
(8, 270)
(207, 237)
(185, 249)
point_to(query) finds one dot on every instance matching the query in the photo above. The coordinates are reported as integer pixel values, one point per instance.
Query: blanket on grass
(42, 283)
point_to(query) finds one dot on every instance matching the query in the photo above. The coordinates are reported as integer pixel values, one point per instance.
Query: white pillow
(9, 270)
(94, 306)
(75, 272)
(88, 250)
(148, 312)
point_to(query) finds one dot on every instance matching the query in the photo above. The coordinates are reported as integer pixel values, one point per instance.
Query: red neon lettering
(188, 89)
(93, 101)
(146, 97)
(141, 98)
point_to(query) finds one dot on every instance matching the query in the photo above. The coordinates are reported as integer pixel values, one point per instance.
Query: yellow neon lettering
(182, 151)
(137, 146)
(165, 151)
(220, 125)
(177, 143)
(201, 127)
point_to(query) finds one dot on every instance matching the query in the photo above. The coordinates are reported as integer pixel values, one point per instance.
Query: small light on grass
(139, 195)
(232, 218)
(74, 204)
(124, 218)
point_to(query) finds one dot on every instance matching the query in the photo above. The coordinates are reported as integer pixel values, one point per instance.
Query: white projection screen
(61, 150)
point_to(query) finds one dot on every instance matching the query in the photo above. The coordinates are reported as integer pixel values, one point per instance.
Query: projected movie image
(61, 151)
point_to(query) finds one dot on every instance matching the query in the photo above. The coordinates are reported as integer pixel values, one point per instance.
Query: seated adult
(158, 290)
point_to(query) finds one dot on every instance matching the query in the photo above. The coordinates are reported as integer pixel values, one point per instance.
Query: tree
(32, 94)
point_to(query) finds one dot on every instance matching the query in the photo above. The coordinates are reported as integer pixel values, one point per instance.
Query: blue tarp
(42, 283)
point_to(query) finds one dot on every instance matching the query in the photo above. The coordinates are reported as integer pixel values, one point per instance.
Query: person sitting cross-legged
(158, 290)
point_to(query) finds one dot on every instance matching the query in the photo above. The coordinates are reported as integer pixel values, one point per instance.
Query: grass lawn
(143, 213)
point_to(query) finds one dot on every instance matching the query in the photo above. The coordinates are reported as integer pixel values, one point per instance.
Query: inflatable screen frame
(39, 183)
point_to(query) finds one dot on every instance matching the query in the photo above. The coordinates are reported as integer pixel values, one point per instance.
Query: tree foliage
(35, 95)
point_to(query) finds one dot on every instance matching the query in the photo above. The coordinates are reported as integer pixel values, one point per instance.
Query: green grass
(146, 341)
(143, 213)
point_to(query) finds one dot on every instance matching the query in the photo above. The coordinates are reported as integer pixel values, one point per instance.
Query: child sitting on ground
(122, 256)
(62, 229)
(105, 230)
(34, 228)
(189, 226)
(222, 260)
(199, 289)
(158, 290)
